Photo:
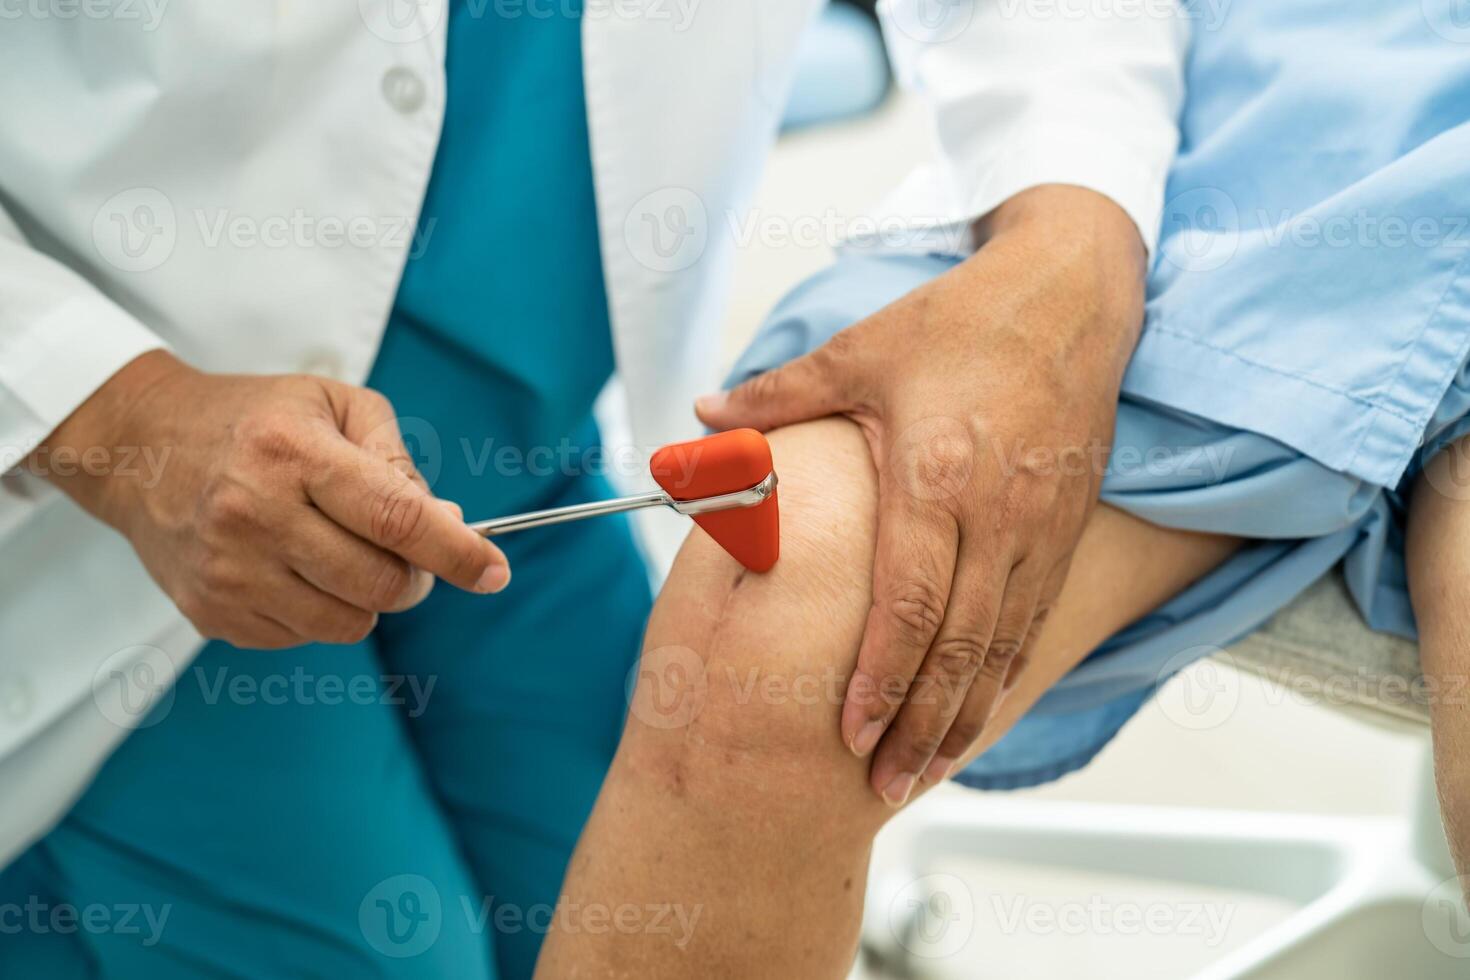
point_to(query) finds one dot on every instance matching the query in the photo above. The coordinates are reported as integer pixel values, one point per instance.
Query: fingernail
(896, 793)
(938, 770)
(709, 404)
(453, 508)
(866, 738)
(494, 578)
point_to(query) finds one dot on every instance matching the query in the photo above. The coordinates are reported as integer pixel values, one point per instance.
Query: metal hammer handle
(653, 498)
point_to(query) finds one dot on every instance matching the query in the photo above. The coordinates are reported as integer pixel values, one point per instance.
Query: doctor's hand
(285, 510)
(988, 398)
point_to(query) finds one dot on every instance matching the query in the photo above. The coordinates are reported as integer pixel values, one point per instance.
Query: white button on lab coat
(186, 182)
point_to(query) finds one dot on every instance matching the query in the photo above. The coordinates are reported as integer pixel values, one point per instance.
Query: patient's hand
(987, 397)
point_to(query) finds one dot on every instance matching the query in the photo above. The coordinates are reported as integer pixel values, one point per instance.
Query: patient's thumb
(796, 392)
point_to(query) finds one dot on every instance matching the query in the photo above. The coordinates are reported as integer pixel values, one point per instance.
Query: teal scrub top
(499, 342)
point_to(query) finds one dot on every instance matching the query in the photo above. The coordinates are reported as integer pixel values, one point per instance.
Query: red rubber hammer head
(726, 462)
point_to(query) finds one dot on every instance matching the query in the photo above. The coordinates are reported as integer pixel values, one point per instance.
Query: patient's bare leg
(733, 802)
(1438, 556)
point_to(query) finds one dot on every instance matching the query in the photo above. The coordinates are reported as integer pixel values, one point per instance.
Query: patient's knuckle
(948, 453)
(924, 741)
(940, 692)
(841, 346)
(1000, 656)
(836, 361)
(893, 690)
(762, 388)
(959, 654)
(914, 747)
(916, 610)
(965, 732)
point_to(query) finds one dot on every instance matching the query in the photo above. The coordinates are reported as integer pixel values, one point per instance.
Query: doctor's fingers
(250, 630)
(310, 613)
(367, 419)
(341, 564)
(375, 500)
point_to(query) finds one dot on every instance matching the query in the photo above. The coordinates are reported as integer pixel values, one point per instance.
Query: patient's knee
(741, 685)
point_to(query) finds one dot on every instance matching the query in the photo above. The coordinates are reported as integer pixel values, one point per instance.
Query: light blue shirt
(1312, 280)
(1305, 346)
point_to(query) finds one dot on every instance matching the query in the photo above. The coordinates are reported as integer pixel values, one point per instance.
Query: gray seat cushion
(1320, 648)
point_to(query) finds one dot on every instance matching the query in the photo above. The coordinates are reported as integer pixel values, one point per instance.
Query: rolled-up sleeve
(60, 340)
(1031, 92)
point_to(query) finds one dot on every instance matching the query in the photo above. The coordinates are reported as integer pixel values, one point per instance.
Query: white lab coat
(241, 182)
